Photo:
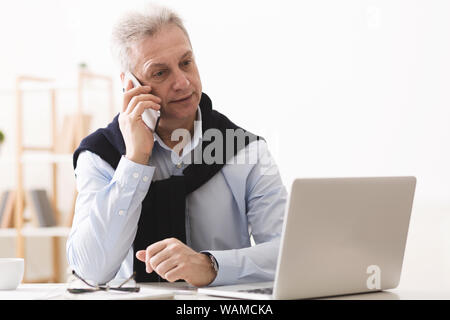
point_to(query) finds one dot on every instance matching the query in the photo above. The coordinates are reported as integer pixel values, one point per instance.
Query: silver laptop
(340, 236)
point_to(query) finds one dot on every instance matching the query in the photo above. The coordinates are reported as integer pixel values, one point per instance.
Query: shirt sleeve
(107, 211)
(265, 201)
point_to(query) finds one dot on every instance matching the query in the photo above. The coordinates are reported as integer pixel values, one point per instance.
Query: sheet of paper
(34, 292)
(59, 291)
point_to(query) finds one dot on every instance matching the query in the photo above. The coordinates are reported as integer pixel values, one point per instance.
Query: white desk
(49, 291)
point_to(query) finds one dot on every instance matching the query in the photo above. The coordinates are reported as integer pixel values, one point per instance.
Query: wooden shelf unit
(47, 155)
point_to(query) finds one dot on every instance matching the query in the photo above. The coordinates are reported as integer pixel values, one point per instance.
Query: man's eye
(187, 62)
(158, 74)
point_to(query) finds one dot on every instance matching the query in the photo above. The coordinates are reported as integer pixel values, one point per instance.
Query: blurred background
(337, 88)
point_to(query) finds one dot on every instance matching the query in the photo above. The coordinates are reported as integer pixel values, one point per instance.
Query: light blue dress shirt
(240, 201)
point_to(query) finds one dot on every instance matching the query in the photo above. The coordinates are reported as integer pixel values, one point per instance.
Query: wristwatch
(214, 263)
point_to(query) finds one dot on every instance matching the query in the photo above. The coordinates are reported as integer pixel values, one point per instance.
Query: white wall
(338, 88)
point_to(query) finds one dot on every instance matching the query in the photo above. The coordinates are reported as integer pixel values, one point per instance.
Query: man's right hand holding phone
(137, 136)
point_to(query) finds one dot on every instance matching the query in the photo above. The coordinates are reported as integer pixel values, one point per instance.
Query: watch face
(213, 261)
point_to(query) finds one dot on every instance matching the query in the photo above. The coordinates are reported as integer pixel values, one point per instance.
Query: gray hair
(135, 25)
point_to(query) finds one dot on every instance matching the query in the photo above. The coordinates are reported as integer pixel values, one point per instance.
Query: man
(143, 204)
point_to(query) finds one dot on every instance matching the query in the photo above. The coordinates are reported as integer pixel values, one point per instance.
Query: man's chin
(181, 112)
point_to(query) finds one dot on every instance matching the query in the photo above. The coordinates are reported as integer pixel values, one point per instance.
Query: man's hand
(173, 260)
(137, 136)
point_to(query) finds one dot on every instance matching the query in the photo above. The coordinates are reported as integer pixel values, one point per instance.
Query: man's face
(165, 61)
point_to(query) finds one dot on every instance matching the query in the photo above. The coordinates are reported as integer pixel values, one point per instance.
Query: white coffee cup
(11, 273)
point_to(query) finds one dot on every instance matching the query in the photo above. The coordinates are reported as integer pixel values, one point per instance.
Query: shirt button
(136, 175)
(145, 178)
(121, 213)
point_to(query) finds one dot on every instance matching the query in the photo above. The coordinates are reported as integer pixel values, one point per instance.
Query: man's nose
(181, 81)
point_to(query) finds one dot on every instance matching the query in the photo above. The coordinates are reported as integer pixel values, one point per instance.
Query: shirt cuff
(229, 270)
(130, 174)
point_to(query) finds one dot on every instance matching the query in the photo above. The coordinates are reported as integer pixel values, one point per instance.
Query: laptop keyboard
(259, 290)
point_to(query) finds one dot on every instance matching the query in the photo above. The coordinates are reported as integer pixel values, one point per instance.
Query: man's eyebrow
(187, 53)
(163, 65)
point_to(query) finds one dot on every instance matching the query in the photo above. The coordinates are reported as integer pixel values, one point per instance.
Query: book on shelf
(3, 199)
(42, 212)
(7, 206)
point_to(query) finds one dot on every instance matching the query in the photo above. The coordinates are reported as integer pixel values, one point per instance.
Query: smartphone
(150, 116)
